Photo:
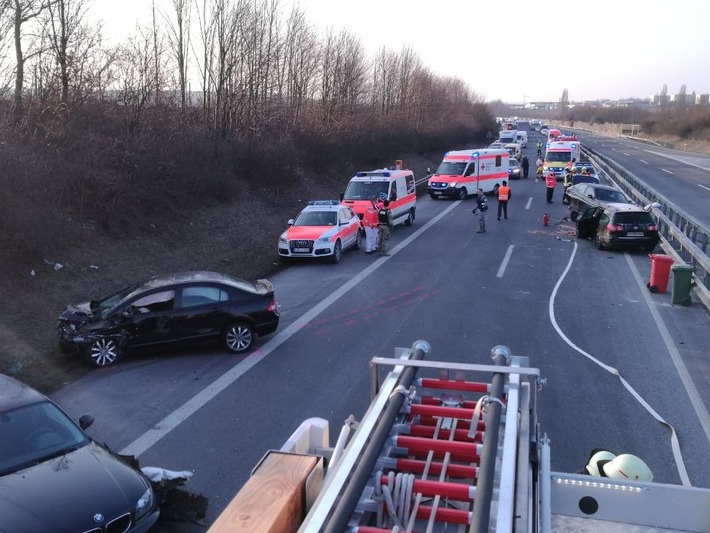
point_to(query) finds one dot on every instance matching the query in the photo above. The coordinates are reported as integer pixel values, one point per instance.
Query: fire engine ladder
(440, 452)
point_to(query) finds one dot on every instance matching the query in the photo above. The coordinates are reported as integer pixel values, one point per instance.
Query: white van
(521, 137)
(395, 184)
(515, 150)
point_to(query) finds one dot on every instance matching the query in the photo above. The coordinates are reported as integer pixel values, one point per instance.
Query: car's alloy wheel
(238, 337)
(358, 240)
(337, 253)
(103, 352)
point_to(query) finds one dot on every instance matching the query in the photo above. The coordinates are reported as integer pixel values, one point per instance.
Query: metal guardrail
(684, 238)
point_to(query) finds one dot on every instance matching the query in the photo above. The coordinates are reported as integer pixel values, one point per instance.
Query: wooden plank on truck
(273, 500)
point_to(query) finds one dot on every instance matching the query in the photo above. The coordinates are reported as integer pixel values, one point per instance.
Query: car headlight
(323, 240)
(144, 504)
(453, 184)
(282, 239)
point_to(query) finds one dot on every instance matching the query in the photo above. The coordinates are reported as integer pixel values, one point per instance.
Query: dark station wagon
(170, 310)
(618, 226)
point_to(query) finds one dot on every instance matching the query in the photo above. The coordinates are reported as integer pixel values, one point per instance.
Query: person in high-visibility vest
(550, 182)
(370, 223)
(503, 197)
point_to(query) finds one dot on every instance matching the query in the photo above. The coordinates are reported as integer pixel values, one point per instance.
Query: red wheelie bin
(660, 272)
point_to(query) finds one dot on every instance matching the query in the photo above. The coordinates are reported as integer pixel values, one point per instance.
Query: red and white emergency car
(561, 155)
(323, 229)
(394, 184)
(463, 172)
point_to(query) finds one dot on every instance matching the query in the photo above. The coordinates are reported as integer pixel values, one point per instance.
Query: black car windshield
(35, 433)
(451, 168)
(316, 218)
(609, 195)
(108, 303)
(365, 190)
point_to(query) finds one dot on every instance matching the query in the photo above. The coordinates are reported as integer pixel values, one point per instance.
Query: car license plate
(437, 193)
(301, 250)
(634, 234)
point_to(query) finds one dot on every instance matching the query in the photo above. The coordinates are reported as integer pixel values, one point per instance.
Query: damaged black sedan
(170, 310)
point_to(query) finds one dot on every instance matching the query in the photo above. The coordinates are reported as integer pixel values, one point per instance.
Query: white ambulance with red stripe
(323, 229)
(394, 184)
(463, 172)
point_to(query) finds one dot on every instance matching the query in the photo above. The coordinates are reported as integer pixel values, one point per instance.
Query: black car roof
(14, 394)
(199, 275)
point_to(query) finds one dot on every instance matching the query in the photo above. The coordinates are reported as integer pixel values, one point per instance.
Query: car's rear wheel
(598, 242)
(337, 253)
(103, 352)
(238, 337)
(410, 218)
(358, 240)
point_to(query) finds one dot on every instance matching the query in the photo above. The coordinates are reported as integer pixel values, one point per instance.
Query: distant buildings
(658, 100)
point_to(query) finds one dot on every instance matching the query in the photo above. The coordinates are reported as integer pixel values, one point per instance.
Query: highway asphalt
(578, 313)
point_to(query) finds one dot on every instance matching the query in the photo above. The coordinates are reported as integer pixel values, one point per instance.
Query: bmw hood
(79, 491)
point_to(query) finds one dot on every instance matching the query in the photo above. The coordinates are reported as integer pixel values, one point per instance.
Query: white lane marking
(675, 445)
(626, 154)
(527, 206)
(668, 171)
(703, 186)
(685, 377)
(644, 161)
(177, 417)
(506, 259)
(683, 160)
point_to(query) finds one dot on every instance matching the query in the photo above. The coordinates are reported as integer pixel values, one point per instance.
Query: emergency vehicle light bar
(362, 174)
(324, 202)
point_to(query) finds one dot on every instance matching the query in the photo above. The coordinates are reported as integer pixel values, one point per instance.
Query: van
(507, 136)
(396, 185)
(515, 150)
(522, 138)
(463, 172)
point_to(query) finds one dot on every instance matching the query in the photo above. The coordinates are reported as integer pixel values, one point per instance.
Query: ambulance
(395, 184)
(561, 155)
(463, 172)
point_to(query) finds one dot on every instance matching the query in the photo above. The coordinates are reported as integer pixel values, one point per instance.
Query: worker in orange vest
(503, 197)
(550, 182)
(369, 222)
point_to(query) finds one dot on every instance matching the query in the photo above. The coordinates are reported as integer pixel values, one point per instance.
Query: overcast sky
(518, 49)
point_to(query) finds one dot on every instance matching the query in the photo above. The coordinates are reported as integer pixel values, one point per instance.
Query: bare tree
(343, 74)
(564, 101)
(22, 12)
(65, 17)
(179, 39)
(206, 56)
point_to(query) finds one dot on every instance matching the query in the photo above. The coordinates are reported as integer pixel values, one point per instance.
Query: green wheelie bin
(682, 281)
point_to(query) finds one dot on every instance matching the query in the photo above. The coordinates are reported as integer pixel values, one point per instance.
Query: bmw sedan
(170, 310)
(53, 477)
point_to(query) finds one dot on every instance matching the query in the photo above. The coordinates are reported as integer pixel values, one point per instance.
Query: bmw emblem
(98, 518)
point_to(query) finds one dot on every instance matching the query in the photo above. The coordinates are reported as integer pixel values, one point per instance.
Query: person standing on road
(566, 184)
(539, 148)
(538, 169)
(384, 220)
(550, 182)
(503, 197)
(370, 223)
(481, 208)
(526, 166)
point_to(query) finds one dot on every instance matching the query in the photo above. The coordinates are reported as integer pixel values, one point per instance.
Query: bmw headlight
(144, 504)
(324, 240)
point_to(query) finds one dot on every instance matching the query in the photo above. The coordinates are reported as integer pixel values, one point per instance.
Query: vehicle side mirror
(290, 222)
(85, 421)
(129, 311)
(590, 196)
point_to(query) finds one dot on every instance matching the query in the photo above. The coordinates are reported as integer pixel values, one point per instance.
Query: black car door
(588, 221)
(150, 318)
(202, 311)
